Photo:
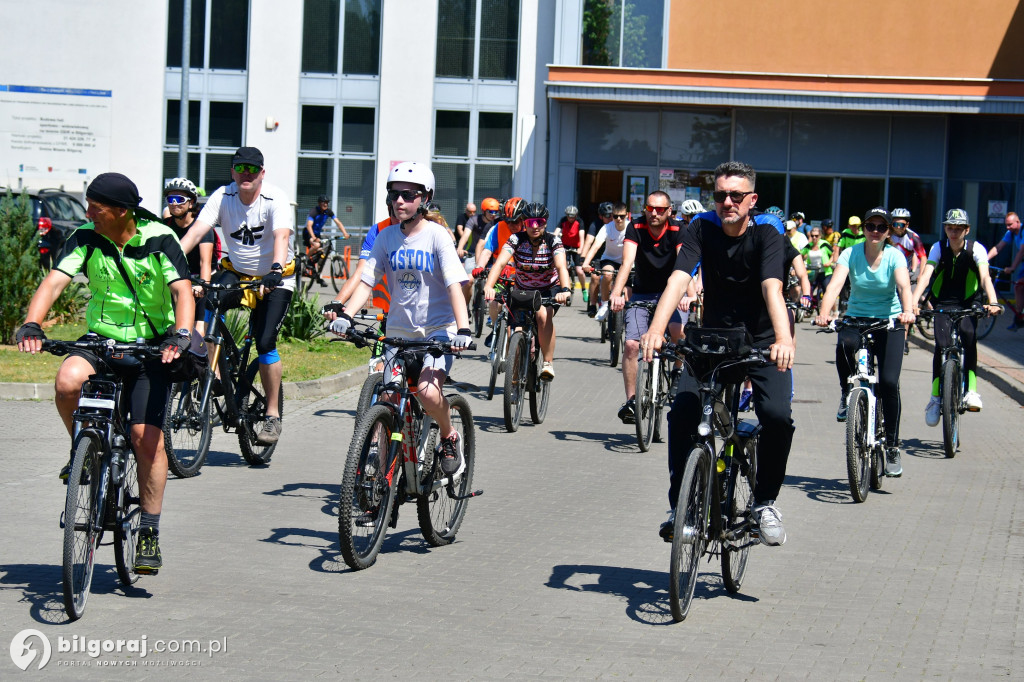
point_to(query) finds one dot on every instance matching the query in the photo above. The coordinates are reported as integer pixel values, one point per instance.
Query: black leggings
(944, 339)
(888, 349)
(268, 315)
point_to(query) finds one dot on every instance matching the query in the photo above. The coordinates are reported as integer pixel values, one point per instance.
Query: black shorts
(573, 258)
(146, 385)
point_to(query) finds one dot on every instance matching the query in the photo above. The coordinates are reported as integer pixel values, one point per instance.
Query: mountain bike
(656, 384)
(310, 270)
(952, 378)
(374, 367)
(244, 399)
(525, 359)
(924, 322)
(865, 422)
(713, 513)
(392, 460)
(103, 486)
(498, 354)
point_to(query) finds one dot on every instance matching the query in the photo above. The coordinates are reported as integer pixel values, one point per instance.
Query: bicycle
(952, 378)
(244, 400)
(367, 393)
(612, 326)
(525, 359)
(656, 384)
(103, 487)
(478, 306)
(391, 460)
(1003, 284)
(865, 422)
(714, 509)
(498, 354)
(311, 270)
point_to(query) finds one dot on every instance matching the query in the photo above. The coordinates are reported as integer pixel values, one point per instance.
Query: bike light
(704, 430)
(44, 225)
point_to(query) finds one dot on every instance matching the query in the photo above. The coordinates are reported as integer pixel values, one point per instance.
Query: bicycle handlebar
(864, 327)
(103, 347)
(977, 310)
(241, 286)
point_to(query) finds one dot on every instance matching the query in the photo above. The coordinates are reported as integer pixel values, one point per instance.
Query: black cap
(114, 189)
(248, 155)
(827, 222)
(878, 212)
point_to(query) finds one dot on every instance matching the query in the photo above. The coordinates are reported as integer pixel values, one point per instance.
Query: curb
(314, 388)
(1006, 385)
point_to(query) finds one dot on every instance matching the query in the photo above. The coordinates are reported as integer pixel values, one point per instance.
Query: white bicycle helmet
(416, 173)
(571, 211)
(692, 207)
(900, 213)
(183, 185)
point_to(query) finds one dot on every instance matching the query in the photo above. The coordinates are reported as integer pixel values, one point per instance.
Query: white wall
(116, 45)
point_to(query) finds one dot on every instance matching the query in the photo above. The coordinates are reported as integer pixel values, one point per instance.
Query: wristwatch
(184, 333)
(276, 266)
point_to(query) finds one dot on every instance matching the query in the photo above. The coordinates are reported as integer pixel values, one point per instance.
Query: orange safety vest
(381, 296)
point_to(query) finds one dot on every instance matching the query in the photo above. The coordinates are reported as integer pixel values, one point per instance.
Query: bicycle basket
(727, 341)
(525, 299)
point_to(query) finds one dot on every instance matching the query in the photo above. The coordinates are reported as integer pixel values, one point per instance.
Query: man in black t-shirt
(741, 263)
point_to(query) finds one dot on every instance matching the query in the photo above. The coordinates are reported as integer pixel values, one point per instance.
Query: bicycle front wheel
(338, 272)
(646, 410)
(516, 377)
(540, 392)
(129, 515)
(252, 416)
(81, 523)
(187, 431)
(614, 338)
(498, 351)
(479, 311)
(858, 455)
(690, 533)
(368, 488)
(739, 499)
(952, 392)
(370, 384)
(440, 513)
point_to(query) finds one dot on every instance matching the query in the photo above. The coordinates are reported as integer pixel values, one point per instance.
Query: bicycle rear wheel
(440, 514)
(253, 414)
(690, 533)
(368, 488)
(858, 455)
(187, 432)
(516, 377)
(81, 523)
(338, 272)
(739, 499)
(952, 392)
(373, 379)
(498, 352)
(985, 326)
(645, 410)
(926, 325)
(540, 392)
(128, 517)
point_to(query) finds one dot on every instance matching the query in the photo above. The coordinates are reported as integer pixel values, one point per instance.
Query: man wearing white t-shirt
(258, 223)
(612, 236)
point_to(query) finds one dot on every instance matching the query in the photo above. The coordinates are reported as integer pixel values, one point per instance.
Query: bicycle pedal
(146, 571)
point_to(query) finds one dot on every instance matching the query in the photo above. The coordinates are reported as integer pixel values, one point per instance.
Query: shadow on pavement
(335, 413)
(325, 492)
(614, 442)
(832, 491)
(925, 449)
(329, 559)
(41, 586)
(645, 592)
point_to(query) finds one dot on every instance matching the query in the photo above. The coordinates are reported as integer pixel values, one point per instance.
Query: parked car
(55, 214)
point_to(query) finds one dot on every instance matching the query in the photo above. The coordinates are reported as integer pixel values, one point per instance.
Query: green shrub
(70, 305)
(303, 320)
(19, 264)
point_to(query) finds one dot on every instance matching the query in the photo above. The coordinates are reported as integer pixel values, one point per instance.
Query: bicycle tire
(498, 353)
(339, 272)
(439, 514)
(540, 392)
(926, 325)
(253, 403)
(645, 409)
(878, 455)
(373, 379)
(615, 339)
(666, 395)
(516, 369)
(479, 311)
(604, 330)
(951, 389)
(739, 498)
(367, 499)
(187, 433)
(690, 533)
(858, 458)
(128, 518)
(81, 524)
(985, 326)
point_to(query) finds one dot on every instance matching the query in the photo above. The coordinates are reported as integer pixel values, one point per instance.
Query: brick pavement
(558, 571)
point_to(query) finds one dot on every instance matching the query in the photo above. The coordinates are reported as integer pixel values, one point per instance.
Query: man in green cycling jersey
(140, 287)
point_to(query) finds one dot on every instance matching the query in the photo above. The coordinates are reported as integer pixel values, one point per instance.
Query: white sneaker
(547, 372)
(602, 312)
(973, 401)
(932, 412)
(769, 521)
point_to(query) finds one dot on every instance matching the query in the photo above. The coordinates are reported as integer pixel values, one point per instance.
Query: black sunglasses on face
(736, 196)
(620, 216)
(406, 194)
(875, 227)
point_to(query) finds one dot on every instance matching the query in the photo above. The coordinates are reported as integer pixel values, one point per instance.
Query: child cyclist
(425, 279)
(539, 259)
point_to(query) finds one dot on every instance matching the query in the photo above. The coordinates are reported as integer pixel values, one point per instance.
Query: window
(228, 24)
(358, 31)
(459, 35)
(212, 126)
(451, 187)
(476, 137)
(225, 124)
(495, 137)
(342, 167)
(623, 33)
(362, 37)
(319, 42)
(317, 128)
(357, 130)
(617, 136)
(451, 133)
(175, 19)
(174, 122)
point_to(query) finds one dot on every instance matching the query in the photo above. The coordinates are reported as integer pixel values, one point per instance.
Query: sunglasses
(176, 199)
(899, 223)
(657, 210)
(250, 168)
(536, 222)
(621, 216)
(492, 213)
(875, 227)
(406, 194)
(736, 196)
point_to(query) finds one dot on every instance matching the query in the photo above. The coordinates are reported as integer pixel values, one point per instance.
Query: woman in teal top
(880, 289)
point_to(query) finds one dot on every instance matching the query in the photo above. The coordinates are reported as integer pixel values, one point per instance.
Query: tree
(600, 33)
(19, 263)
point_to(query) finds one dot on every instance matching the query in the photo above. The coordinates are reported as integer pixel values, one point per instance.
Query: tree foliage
(19, 263)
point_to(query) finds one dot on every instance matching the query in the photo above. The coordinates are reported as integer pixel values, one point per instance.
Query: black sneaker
(489, 340)
(667, 528)
(627, 413)
(591, 310)
(841, 412)
(147, 553)
(450, 452)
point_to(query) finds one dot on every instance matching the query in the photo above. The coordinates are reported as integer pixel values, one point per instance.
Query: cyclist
(817, 256)
(611, 238)
(909, 242)
(651, 245)
(954, 282)
(425, 281)
(258, 224)
(741, 262)
(539, 260)
(570, 231)
(182, 197)
(801, 223)
(848, 238)
(315, 221)
(511, 223)
(604, 217)
(689, 210)
(828, 234)
(1014, 237)
(797, 238)
(134, 265)
(777, 212)
(879, 289)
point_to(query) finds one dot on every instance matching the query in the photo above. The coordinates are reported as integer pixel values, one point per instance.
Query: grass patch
(303, 360)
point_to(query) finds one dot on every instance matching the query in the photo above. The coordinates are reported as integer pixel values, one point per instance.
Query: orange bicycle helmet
(514, 208)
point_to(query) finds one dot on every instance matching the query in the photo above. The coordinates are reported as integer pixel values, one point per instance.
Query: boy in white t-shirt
(425, 279)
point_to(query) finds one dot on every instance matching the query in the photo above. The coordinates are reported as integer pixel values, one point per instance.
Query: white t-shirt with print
(613, 240)
(419, 268)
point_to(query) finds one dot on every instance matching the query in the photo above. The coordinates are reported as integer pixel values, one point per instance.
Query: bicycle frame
(864, 378)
